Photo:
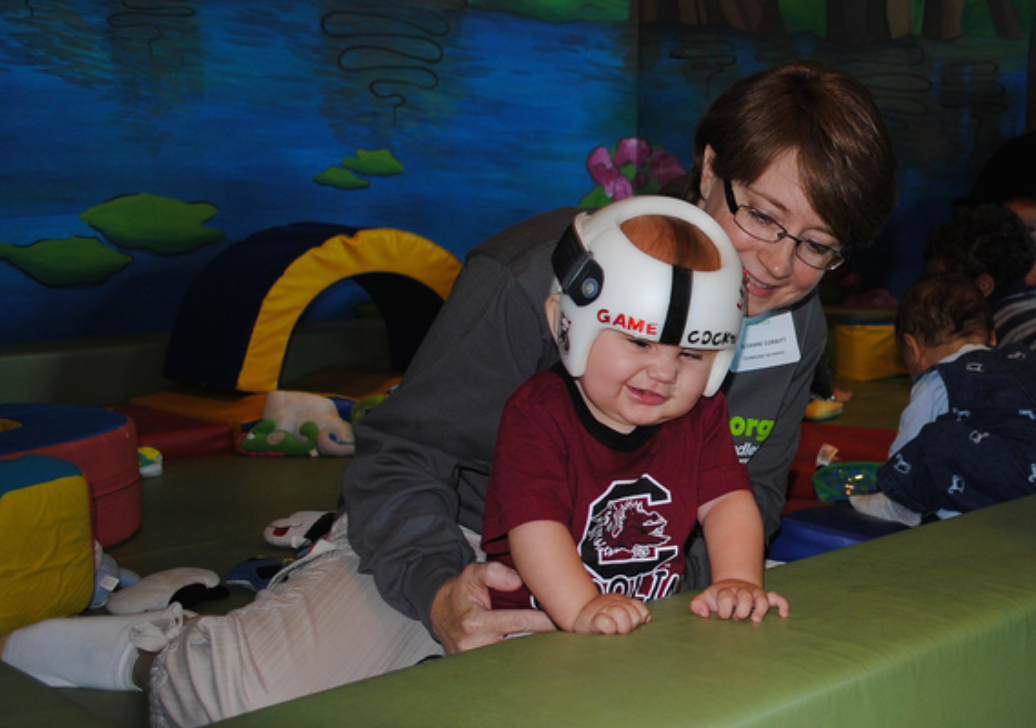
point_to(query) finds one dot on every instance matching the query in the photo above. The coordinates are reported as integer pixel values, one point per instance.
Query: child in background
(967, 439)
(1008, 178)
(605, 463)
(991, 245)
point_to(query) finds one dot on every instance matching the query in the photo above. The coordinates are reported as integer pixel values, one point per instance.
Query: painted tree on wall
(761, 16)
(757, 15)
(240, 117)
(858, 23)
(943, 19)
(853, 23)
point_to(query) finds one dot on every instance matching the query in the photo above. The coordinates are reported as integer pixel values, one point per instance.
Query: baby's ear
(985, 283)
(912, 350)
(552, 308)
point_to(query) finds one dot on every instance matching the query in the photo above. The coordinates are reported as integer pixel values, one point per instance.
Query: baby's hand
(611, 614)
(736, 599)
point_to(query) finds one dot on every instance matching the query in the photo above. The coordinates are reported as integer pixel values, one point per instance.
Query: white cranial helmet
(606, 282)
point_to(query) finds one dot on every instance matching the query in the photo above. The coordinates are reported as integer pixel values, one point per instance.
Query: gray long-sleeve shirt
(423, 455)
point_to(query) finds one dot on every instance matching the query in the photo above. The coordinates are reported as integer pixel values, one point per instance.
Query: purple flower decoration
(634, 165)
(601, 168)
(623, 189)
(665, 166)
(632, 151)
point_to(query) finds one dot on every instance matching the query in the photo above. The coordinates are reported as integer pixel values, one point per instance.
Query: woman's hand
(462, 614)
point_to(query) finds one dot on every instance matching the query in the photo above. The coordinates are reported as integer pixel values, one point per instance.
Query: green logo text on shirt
(750, 427)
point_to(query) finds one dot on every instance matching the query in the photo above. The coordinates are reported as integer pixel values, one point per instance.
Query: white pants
(319, 624)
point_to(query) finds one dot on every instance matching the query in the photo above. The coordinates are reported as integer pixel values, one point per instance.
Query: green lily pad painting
(160, 224)
(62, 262)
(374, 163)
(367, 162)
(341, 178)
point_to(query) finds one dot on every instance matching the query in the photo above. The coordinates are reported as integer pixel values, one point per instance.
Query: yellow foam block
(865, 352)
(48, 565)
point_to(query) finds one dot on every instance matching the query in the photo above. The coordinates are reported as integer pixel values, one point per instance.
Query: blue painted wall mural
(140, 141)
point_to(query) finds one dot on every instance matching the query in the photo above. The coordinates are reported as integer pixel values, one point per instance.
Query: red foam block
(104, 446)
(853, 443)
(177, 436)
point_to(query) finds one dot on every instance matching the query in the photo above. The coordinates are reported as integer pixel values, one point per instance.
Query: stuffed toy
(365, 405)
(299, 423)
(109, 576)
(820, 410)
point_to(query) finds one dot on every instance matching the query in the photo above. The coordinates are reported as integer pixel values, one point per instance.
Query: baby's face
(1026, 210)
(631, 382)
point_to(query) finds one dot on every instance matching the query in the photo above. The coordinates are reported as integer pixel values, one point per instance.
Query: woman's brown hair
(844, 151)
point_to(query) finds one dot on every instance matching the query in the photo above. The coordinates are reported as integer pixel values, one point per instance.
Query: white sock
(90, 652)
(881, 506)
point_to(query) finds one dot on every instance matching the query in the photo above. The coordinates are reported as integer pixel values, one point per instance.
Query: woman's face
(774, 277)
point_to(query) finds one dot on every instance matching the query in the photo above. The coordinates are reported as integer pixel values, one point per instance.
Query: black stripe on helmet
(679, 306)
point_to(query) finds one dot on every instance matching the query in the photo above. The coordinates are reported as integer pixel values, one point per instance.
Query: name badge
(768, 342)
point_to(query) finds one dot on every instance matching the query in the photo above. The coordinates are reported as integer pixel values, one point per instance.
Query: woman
(794, 163)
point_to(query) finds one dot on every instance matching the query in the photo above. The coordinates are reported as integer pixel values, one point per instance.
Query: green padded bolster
(930, 627)
(28, 703)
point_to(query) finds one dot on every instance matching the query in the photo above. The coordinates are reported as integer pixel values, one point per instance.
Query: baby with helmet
(605, 463)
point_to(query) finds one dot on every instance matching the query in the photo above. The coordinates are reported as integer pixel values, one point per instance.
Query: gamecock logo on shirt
(625, 546)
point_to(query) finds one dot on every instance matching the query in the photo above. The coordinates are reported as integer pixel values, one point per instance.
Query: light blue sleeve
(928, 400)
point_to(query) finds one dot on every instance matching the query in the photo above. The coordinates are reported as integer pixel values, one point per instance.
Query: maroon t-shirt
(629, 501)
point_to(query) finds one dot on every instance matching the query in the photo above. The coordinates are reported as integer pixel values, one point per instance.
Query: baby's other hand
(611, 614)
(736, 599)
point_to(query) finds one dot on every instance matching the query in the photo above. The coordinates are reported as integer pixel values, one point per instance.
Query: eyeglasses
(763, 227)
